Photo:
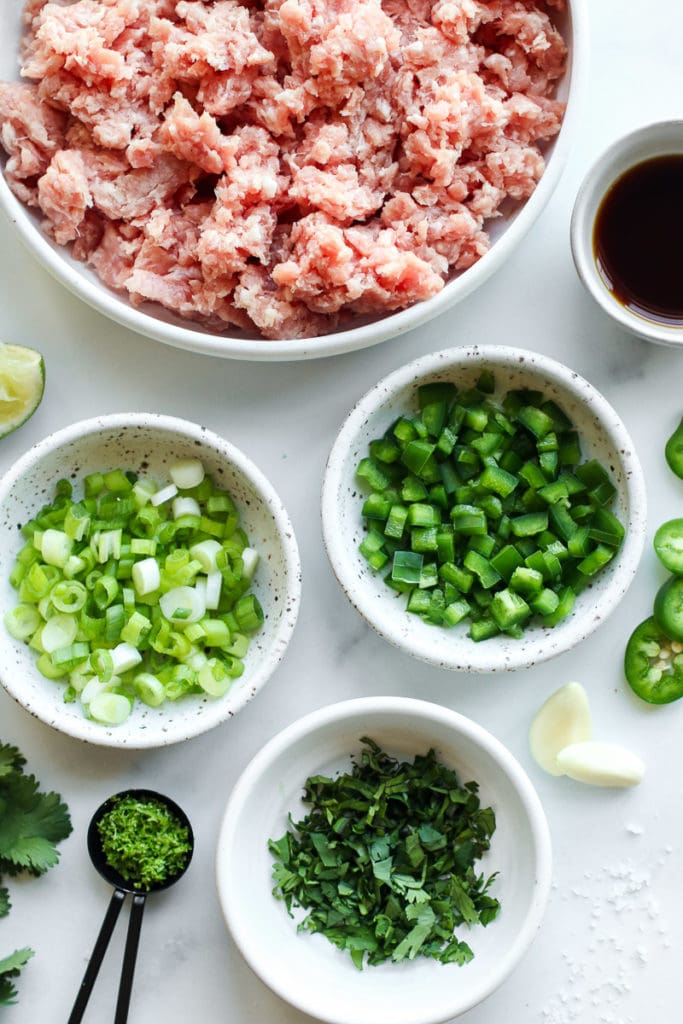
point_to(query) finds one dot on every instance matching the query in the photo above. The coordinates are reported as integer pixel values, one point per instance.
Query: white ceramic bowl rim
(636, 147)
(192, 726)
(195, 340)
(409, 708)
(573, 630)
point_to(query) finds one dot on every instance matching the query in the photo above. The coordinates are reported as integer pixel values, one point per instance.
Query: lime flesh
(22, 382)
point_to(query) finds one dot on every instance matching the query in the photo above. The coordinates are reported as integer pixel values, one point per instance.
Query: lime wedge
(22, 382)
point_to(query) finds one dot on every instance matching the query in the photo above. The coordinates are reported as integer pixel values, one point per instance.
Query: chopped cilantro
(144, 841)
(9, 969)
(383, 863)
(31, 824)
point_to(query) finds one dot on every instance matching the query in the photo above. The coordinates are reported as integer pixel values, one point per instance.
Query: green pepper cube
(407, 567)
(569, 449)
(455, 612)
(457, 577)
(424, 538)
(477, 419)
(526, 581)
(429, 576)
(404, 430)
(506, 561)
(545, 602)
(445, 546)
(606, 528)
(435, 400)
(562, 520)
(532, 475)
(482, 569)
(549, 463)
(530, 524)
(498, 480)
(596, 560)
(484, 629)
(376, 506)
(372, 474)
(396, 521)
(565, 604)
(423, 515)
(468, 519)
(385, 450)
(412, 489)
(509, 609)
(416, 455)
(535, 420)
(579, 543)
(487, 443)
(419, 602)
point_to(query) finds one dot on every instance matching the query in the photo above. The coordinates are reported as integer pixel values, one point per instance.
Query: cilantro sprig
(31, 824)
(384, 862)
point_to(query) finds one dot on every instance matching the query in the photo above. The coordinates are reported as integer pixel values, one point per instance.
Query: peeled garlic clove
(564, 719)
(601, 764)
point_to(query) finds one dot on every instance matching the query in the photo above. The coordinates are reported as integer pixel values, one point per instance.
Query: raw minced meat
(280, 164)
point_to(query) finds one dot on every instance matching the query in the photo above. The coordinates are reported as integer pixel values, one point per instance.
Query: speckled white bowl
(149, 443)
(307, 970)
(155, 322)
(603, 436)
(662, 139)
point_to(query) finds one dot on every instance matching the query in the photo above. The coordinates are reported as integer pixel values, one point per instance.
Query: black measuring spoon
(122, 888)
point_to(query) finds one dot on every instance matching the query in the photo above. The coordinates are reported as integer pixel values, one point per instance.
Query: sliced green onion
(23, 621)
(110, 708)
(56, 547)
(112, 640)
(59, 631)
(163, 495)
(146, 576)
(186, 600)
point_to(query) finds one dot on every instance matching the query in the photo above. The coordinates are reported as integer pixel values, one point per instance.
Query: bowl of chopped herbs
(484, 508)
(383, 861)
(149, 580)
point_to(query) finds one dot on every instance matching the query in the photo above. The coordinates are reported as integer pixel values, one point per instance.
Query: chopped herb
(9, 969)
(144, 841)
(383, 863)
(31, 824)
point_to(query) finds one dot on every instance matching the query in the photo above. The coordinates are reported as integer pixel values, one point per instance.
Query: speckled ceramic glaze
(662, 139)
(152, 320)
(603, 436)
(149, 444)
(421, 991)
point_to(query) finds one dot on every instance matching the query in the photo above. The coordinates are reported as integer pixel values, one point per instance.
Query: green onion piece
(22, 621)
(68, 596)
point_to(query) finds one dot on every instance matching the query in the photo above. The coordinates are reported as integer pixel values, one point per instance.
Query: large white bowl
(653, 140)
(603, 436)
(149, 444)
(306, 969)
(154, 322)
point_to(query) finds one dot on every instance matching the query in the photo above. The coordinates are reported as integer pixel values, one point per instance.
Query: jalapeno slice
(674, 451)
(654, 664)
(668, 544)
(668, 609)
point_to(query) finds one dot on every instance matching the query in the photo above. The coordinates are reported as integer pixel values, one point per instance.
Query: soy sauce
(638, 239)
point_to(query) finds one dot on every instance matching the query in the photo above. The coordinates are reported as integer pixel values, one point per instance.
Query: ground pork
(286, 165)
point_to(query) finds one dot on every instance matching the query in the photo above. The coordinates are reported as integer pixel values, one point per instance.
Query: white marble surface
(606, 949)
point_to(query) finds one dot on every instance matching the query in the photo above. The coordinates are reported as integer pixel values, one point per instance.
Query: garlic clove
(601, 764)
(564, 719)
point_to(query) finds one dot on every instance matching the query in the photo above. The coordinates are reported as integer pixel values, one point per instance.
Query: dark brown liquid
(638, 239)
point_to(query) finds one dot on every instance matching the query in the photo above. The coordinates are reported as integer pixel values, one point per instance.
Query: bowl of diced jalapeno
(484, 508)
(149, 580)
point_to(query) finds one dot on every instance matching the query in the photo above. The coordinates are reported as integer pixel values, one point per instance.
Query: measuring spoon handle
(92, 970)
(128, 969)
